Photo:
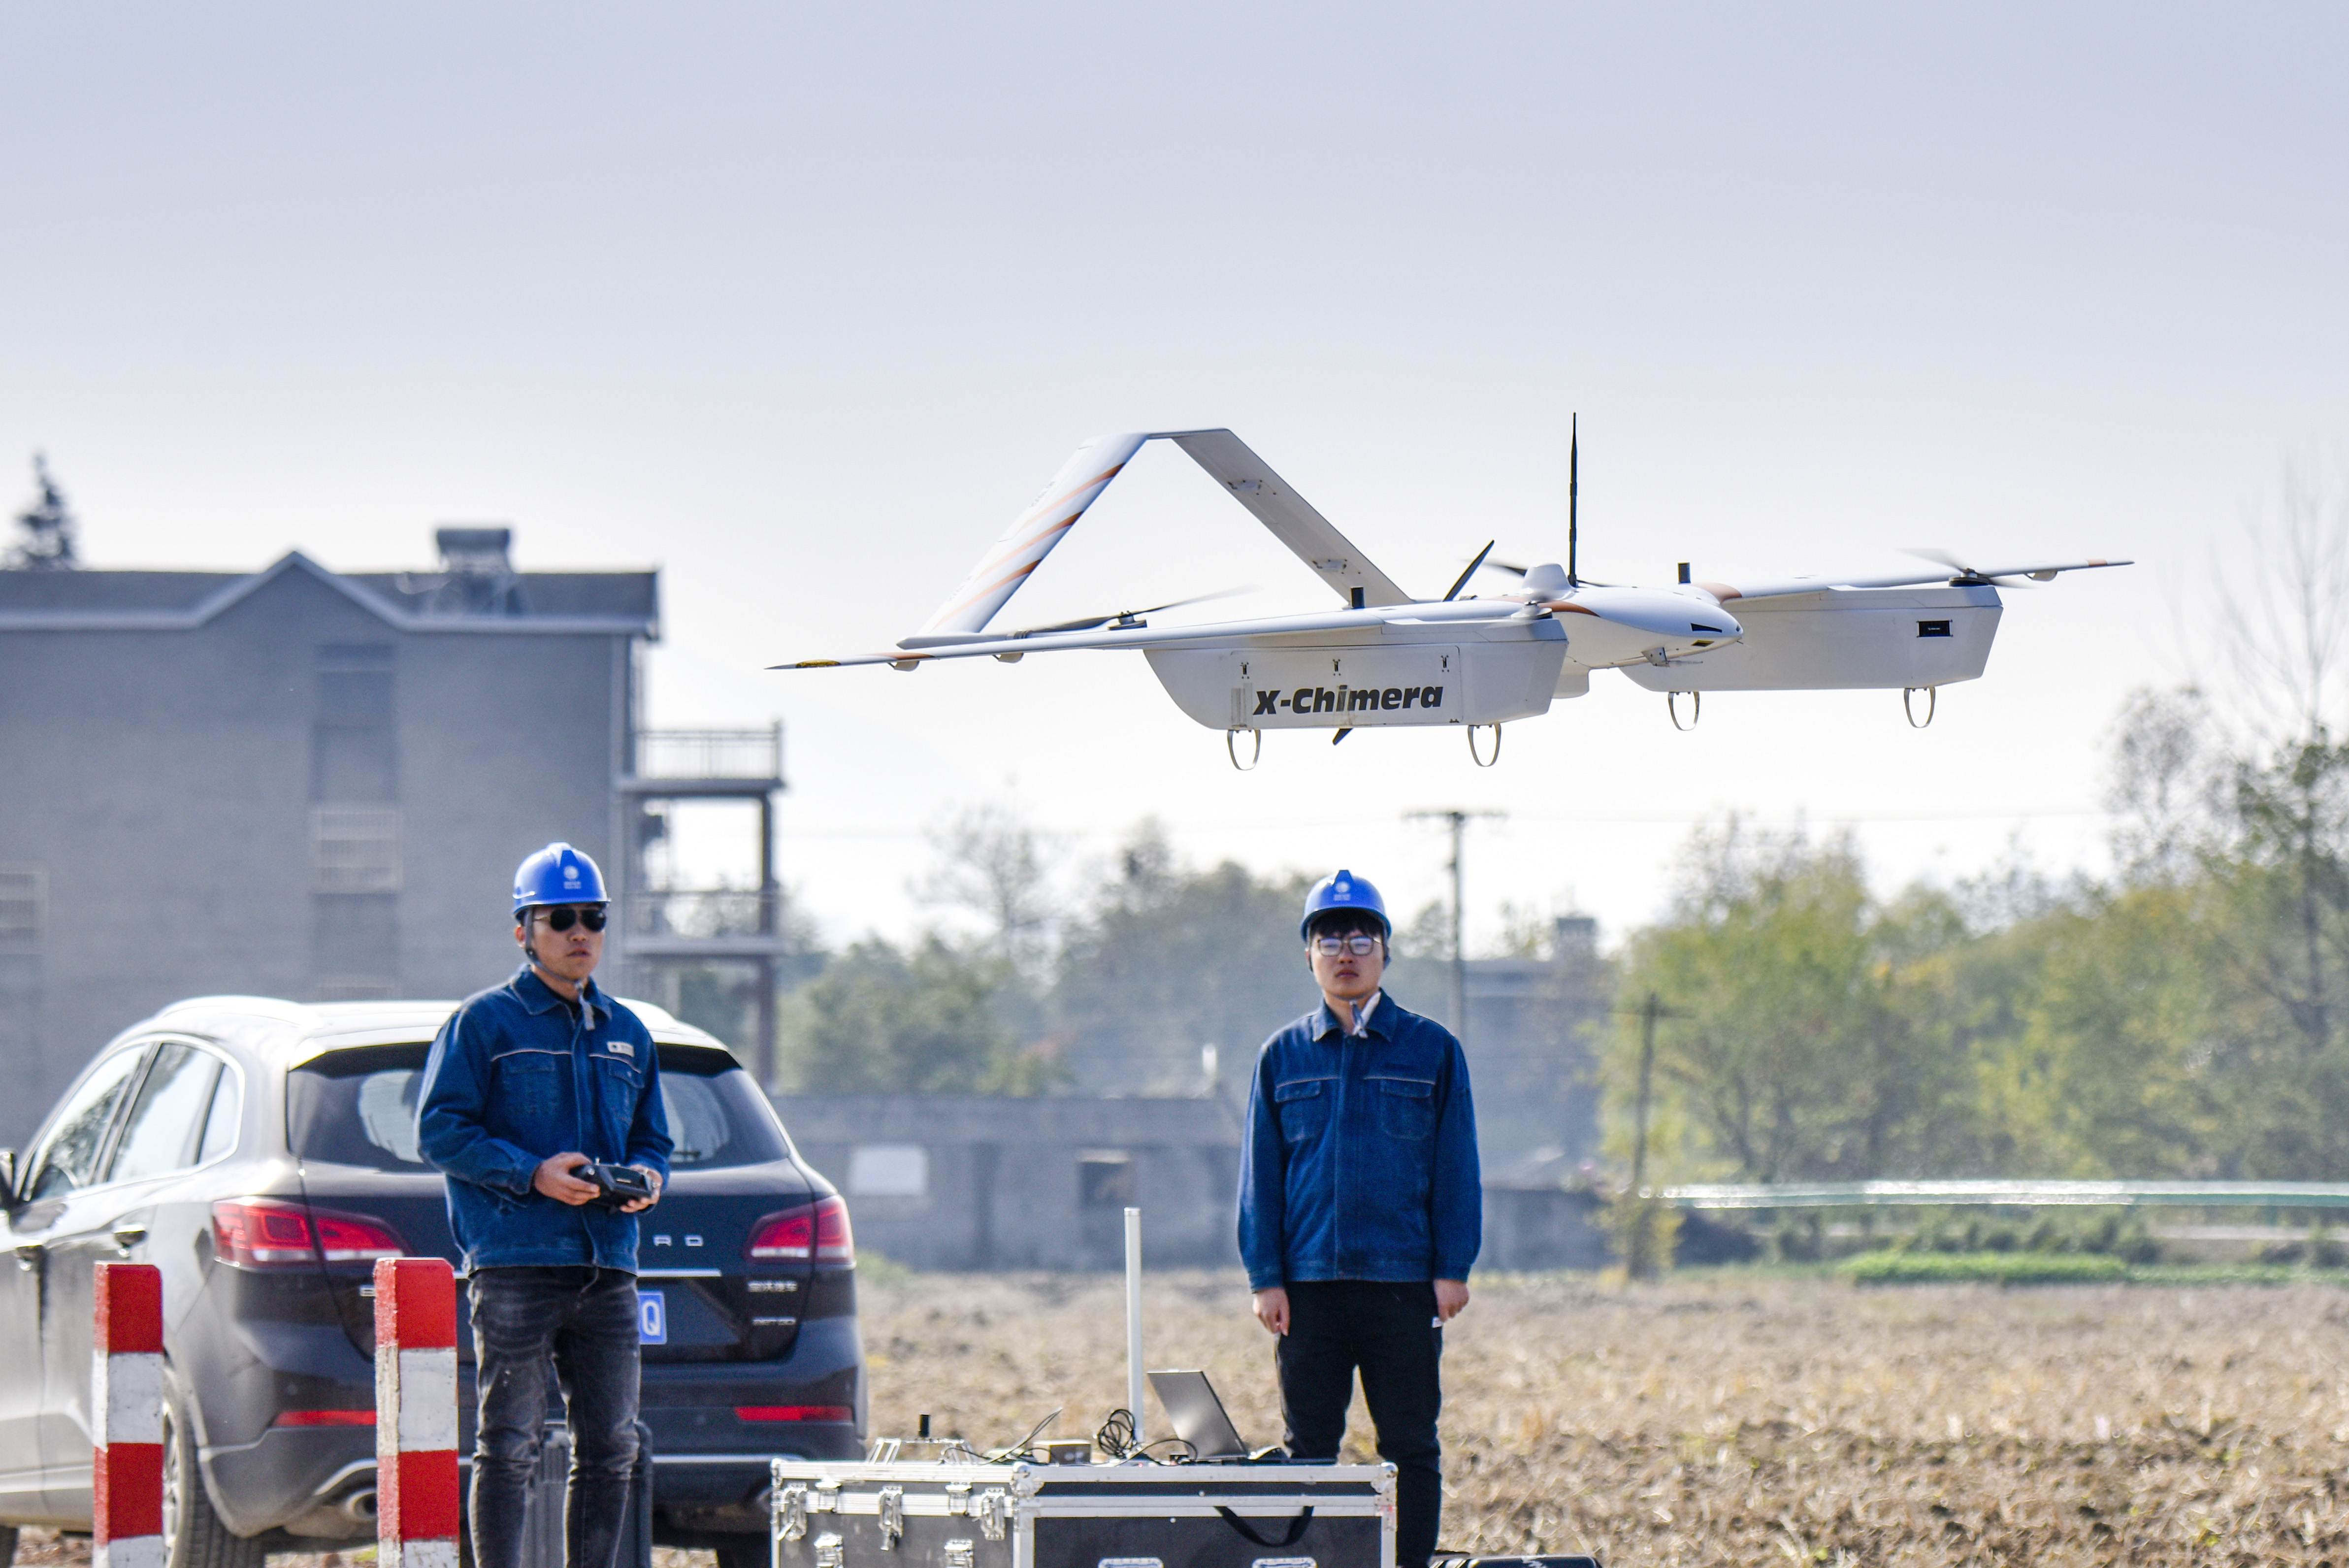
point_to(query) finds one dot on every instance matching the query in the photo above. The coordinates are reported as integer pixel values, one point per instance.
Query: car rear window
(358, 1107)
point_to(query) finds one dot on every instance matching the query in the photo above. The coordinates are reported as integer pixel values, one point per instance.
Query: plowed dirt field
(1750, 1421)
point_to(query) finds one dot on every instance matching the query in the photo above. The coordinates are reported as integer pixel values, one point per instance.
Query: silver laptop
(1198, 1415)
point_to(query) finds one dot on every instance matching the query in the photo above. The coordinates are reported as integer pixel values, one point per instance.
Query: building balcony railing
(750, 756)
(701, 913)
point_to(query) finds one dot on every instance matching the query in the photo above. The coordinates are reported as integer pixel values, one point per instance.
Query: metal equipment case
(963, 1514)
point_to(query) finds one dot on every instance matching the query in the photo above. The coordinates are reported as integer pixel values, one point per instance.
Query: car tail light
(834, 1243)
(272, 1233)
(819, 1232)
(793, 1413)
(325, 1418)
(355, 1239)
(782, 1236)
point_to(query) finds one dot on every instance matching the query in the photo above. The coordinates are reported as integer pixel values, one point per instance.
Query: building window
(355, 849)
(354, 757)
(23, 905)
(1104, 1179)
(889, 1170)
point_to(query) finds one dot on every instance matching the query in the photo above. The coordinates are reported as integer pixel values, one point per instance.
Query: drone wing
(1031, 536)
(1033, 533)
(1778, 587)
(1288, 515)
(1014, 645)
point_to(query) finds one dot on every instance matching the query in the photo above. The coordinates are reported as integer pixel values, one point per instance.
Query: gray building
(977, 1182)
(314, 784)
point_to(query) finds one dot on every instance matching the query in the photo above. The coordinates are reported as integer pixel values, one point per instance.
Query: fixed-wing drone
(1388, 658)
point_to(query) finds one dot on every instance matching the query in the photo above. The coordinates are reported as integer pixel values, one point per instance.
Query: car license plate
(652, 1317)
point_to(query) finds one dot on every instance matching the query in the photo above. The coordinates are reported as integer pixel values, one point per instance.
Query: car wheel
(744, 1552)
(193, 1535)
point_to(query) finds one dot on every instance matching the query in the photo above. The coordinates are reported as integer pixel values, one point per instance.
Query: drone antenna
(1573, 495)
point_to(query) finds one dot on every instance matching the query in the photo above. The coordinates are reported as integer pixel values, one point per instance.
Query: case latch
(993, 1511)
(892, 1516)
(792, 1506)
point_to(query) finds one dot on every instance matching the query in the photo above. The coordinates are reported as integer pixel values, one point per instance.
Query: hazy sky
(800, 303)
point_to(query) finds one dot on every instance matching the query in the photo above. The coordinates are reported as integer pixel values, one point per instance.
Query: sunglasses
(561, 916)
(1360, 945)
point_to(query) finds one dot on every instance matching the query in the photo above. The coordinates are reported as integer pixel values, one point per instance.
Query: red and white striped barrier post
(126, 1407)
(416, 1413)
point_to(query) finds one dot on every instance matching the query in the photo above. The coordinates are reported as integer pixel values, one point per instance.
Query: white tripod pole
(1133, 1320)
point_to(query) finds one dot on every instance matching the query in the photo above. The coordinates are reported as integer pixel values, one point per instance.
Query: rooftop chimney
(1577, 939)
(475, 552)
(477, 573)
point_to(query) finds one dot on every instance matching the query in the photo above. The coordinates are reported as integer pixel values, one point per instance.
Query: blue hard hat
(557, 874)
(1343, 890)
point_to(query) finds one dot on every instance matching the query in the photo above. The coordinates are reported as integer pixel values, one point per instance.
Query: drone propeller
(1967, 576)
(1515, 570)
(1462, 580)
(1120, 620)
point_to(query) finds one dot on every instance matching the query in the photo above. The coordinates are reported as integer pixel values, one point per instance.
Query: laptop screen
(1198, 1415)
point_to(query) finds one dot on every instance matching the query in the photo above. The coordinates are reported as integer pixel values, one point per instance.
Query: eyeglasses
(561, 916)
(1360, 945)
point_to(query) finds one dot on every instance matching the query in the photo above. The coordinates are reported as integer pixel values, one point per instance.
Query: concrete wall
(162, 785)
(1032, 1183)
(1043, 1183)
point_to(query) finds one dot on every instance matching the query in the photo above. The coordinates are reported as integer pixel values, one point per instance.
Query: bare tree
(991, 862)
(2169, 773)
(2285, 596)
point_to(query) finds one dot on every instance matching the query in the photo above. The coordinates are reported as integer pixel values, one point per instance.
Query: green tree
(1809, 1029)
(880, 1020)
(1170, 959)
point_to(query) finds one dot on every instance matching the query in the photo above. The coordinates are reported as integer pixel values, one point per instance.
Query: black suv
(263, 1155)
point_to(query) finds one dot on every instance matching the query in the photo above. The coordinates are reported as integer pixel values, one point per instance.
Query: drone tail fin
(1031, 536)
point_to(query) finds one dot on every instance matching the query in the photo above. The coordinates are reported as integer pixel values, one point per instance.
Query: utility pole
(1458, 819)
(1648, 1016)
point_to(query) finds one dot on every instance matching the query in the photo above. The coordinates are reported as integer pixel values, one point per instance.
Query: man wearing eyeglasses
(530, 1086)
(1360, 1206)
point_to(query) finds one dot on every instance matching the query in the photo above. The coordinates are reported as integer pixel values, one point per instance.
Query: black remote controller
(616, 1184)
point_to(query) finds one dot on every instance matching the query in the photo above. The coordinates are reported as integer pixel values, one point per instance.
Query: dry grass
(1746, 1421)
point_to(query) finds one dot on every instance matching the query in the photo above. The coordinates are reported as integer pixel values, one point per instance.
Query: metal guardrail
(710, 754)
(2014, 1194)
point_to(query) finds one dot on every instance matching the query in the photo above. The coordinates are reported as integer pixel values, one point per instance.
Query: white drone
(1387, 658)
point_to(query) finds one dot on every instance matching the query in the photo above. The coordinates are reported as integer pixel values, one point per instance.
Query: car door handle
(129, 1234)
(28, 1255)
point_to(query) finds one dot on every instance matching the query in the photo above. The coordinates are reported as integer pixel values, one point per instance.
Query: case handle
(1296, 1527)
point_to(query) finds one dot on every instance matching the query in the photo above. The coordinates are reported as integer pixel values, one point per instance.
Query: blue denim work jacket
(502, 1092)
(1360, 1153)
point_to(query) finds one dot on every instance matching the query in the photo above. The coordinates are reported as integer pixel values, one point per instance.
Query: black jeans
(580, 1323)
(1386, 1330)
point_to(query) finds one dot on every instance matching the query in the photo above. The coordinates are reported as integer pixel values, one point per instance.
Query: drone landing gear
(1232, 748)
(1477, 755)
(1696, 708)
(1909, 704)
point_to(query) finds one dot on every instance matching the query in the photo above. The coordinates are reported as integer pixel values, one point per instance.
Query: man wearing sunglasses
(1360, 1206)
(529, 1087)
